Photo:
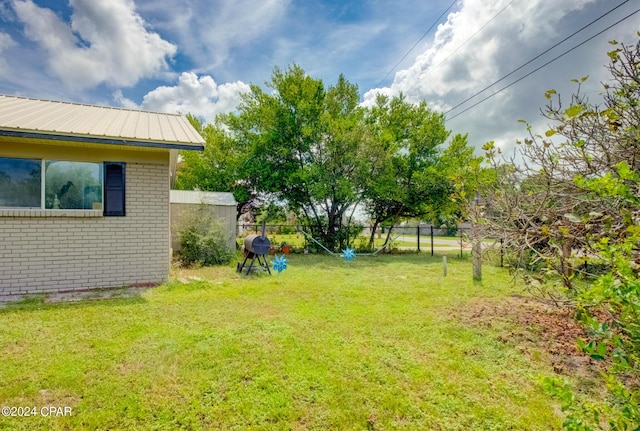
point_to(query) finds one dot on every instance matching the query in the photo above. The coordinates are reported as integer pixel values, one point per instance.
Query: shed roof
(46, 119)
(199, 197)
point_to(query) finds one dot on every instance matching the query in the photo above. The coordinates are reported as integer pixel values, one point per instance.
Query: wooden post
(418, 232)
(431, 240)
(476, 247)
(476, 253)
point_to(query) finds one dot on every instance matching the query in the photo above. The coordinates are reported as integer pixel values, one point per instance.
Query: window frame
(104, 211)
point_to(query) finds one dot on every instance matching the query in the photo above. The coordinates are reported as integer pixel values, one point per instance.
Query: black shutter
(114, 189)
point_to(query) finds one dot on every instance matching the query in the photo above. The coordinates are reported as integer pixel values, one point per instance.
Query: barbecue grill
(256, 247)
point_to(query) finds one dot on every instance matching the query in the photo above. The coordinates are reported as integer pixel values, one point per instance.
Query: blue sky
(197, 56)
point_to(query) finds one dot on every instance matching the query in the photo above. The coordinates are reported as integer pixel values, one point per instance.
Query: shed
(221, 205)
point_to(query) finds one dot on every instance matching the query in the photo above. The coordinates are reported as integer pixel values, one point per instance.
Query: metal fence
(423, 238)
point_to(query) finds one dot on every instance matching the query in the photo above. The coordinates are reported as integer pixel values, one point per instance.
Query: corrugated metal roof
(199, 197)
(100, 123)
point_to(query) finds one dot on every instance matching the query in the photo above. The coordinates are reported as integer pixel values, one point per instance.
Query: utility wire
(415, 44)
(535, 58)
(460, 46)
(544, 65)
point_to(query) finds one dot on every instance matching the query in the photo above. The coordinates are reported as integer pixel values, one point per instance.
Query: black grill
(256, 247)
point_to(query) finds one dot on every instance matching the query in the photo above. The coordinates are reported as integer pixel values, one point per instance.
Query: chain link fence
(407, 238)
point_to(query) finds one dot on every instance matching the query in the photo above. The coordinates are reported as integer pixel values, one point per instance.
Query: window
(63, 185)
(73, 185)
(20, 183)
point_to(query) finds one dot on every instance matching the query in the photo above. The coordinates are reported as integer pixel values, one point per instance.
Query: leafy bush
(581, 192)
(287, 230)
(203, 239)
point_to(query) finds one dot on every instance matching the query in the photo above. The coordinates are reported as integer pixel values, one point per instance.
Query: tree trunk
(376, 223)
(386, 241)
(567, 269)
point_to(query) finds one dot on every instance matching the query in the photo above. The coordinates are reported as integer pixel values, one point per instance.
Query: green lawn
(325, 345)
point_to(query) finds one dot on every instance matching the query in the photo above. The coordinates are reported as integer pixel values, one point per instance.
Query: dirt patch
(537, 329)
(64, 296)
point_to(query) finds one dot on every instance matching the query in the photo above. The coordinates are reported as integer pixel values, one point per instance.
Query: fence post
(418, 231)
(460, 242)
(431, 240)
(501, 252)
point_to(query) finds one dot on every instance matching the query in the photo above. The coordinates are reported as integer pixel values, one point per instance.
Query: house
(84, 195)
(221, 205)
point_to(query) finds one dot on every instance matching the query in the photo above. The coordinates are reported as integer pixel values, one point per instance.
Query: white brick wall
(51, 253)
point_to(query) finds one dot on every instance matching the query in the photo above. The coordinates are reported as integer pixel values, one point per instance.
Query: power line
(544, 65)
(460, 46)
(536, 57)
(415, 44)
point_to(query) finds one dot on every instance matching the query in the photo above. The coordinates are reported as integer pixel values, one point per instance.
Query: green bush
(287, 230)
(203, 239)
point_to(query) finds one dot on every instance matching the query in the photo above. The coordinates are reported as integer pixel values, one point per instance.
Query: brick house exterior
(119, 234)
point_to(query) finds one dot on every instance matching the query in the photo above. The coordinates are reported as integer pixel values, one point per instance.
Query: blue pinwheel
(348, 254)
(280, 263)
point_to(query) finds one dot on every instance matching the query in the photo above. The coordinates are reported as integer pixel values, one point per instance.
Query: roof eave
(107, 141)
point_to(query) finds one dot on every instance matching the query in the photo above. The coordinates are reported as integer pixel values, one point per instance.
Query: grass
(326, 344)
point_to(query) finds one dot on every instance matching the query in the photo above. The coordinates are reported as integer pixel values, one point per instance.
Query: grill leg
(262, 262)
(265, 264)
(251, 264)
(241, 265)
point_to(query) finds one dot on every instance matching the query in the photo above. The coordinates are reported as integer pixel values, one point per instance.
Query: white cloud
(455, 63)
(6, 42)
(451, 69)
(106, 42)
(210, 30)
(119, 98)
(200, 96)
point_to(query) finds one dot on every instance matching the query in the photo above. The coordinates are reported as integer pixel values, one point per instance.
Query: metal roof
(199, 197)
(45, 119)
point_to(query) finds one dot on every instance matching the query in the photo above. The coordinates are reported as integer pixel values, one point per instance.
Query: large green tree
(316, 150)
(306, 143)
(411, 169)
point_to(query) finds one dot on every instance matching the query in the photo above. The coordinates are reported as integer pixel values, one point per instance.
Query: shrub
(287, 230)
(581, 191)
(203, 239)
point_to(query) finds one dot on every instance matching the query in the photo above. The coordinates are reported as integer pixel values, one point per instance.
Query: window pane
(73, 185)
(20, 183)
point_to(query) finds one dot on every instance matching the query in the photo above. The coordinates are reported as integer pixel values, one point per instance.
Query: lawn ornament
(349, 254)
(280, 263)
